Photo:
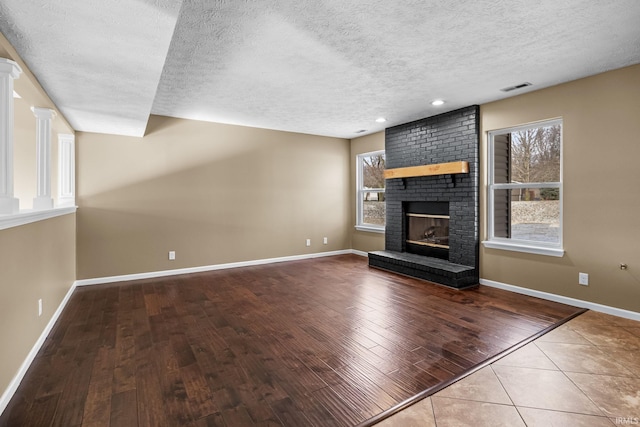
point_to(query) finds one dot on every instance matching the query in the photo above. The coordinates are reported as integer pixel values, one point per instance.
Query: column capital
(43, 113)
(10, 68)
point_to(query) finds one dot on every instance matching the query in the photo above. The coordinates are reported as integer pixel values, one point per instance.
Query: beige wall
(363, 240)
(601, 154)
(37, 260)
(24, 153)
(213, 193)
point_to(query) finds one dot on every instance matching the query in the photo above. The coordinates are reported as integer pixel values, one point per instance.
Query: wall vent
(520, 86)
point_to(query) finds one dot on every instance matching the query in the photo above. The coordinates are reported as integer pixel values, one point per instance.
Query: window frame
(360, 190)
(508, 243)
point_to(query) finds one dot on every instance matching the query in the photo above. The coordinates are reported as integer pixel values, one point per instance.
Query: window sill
(370, 228)
(29, 216)
(519, 247)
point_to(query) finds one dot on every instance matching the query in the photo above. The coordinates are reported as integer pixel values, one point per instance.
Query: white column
(66, 170)
(9, 71)
(44, 116)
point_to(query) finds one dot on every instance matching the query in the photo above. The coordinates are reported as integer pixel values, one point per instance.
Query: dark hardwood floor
(326, 342)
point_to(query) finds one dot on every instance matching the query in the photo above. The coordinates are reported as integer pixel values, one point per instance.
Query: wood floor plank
(321, 342)
(149, 396)
(237, 416)
(97, 410)
(176, 402)
(289, 414)
(76, 385)
(343, 414)
(124, 409)
(200, 396)
(215, 420)
(125, 363)
(41, 412)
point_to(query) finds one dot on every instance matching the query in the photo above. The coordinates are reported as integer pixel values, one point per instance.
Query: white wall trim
(17, 379)
(66, 170)
(565, 300)
(163, 273)
(361, 253)
(44, 117)
(29, 216)
(9, 71)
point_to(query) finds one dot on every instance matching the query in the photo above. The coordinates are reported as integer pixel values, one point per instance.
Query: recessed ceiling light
(437, 102)
(381, 120)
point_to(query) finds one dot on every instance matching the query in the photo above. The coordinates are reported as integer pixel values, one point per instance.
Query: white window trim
(526, 246)
(522, 246)
(371, 228)
(360, 226)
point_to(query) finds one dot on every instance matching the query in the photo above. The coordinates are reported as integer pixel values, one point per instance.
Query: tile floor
(584, 373)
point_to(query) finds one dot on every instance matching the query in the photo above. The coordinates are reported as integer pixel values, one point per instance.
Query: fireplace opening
(427, 229)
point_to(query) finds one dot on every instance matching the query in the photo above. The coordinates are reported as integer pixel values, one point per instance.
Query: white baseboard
(164, 273)
(361, 253)
(565, 300)
(17, 379)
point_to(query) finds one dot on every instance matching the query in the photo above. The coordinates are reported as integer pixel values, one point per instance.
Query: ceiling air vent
(520, 86)
(360, 131)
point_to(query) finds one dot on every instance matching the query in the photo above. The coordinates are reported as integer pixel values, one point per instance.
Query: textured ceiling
(326, 67)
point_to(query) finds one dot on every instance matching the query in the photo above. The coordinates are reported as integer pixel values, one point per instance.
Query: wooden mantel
(428, 170)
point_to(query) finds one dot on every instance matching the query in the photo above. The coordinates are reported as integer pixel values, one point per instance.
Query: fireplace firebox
(427, 229)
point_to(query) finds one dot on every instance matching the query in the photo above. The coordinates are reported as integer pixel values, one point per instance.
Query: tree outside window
(371, 206)
(525, 185)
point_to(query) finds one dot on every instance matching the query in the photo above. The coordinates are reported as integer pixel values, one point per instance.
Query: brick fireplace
(449, 137)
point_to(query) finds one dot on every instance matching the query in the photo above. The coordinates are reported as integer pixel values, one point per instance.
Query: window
(525, 189)
(370, 208)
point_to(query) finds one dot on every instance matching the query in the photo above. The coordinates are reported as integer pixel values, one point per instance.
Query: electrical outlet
(172, 255)
(583, 279)
(308, 242)
(40, 307)
(325, 241)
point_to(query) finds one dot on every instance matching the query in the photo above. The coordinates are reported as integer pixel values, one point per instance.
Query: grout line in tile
(560, 411)
(474, 400)
(547, 356)
(520, 415)
(584, 393)
(502, 385)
